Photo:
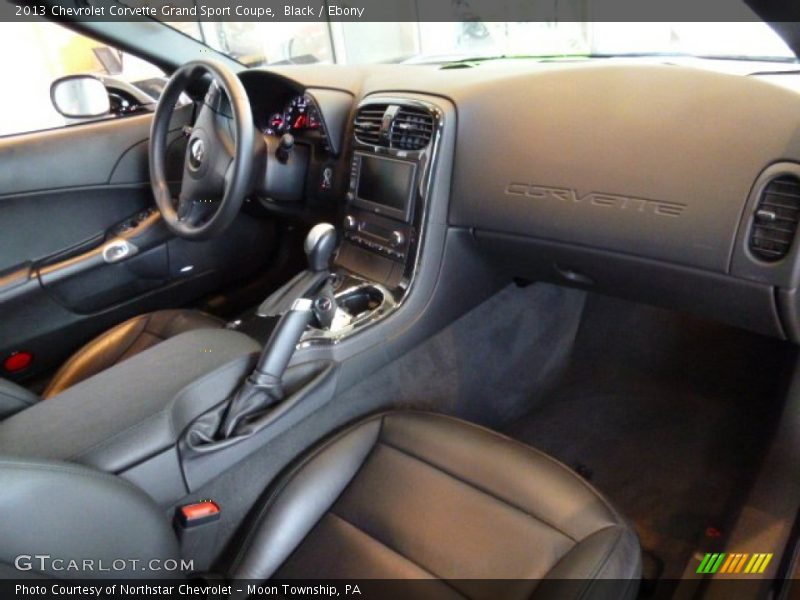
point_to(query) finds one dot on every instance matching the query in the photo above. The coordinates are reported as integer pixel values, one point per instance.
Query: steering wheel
(218, 164)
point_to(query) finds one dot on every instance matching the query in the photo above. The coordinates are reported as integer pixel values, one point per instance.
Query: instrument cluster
(298, 115)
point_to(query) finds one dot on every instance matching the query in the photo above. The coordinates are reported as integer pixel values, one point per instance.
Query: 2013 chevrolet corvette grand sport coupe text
(447, 309)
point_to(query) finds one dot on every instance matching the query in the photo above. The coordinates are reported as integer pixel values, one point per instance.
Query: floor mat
(667, 415)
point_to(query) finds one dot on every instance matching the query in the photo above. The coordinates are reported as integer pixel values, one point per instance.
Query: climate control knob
(350, 223)
(397, 239)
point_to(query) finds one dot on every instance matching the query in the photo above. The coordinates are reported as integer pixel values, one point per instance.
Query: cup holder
(357, 306)
(360, 301)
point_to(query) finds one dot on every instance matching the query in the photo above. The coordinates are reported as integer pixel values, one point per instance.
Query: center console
(395, 143)
(380, 205)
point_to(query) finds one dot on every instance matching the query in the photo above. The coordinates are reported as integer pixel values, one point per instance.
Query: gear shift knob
(319, 246)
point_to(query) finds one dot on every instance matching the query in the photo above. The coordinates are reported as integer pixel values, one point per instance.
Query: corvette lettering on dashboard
(602, 199)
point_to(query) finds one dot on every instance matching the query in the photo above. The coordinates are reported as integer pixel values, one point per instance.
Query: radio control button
(397, 239)
(350, 223)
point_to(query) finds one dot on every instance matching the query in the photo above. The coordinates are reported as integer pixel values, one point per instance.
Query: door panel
(79, 155)
(55, 185)
(65, 195)
(43, 224)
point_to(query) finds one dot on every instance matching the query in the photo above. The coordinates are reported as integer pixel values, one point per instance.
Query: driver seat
(126, 340)
(106, 350)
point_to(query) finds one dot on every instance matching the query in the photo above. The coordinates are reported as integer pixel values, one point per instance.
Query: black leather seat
(417, 495)
(123, 341)
(106, 350)
(14, 398)
(397, 496)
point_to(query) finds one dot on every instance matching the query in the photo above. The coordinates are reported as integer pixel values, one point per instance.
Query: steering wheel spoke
(184, 207)
(219, 157)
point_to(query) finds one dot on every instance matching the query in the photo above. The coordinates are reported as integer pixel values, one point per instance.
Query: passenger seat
(398, 495)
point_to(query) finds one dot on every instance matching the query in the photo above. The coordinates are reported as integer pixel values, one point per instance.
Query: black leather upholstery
(125, 340)
(419, 495)
(115, 345)
(139, 408)
(399, 495)
(14, 398)
(67, 512)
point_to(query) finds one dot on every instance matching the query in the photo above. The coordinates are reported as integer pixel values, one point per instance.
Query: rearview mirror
(80, 97)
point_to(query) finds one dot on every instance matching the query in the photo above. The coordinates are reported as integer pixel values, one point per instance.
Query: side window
(38, 53)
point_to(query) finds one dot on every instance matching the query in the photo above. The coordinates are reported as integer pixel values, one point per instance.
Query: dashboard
(654, 182)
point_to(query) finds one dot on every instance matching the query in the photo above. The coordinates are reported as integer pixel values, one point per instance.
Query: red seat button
(18, 361)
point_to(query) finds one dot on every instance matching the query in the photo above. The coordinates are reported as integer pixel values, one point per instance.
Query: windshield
(254, 43)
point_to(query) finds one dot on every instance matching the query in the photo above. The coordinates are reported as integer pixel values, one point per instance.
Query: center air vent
(776, 217)
(392, 126)
(412, 129)
(368, 123)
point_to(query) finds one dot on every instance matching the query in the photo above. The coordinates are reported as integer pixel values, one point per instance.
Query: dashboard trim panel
(426, 160)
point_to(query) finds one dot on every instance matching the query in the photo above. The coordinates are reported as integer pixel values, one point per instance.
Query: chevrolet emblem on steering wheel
(197, 152)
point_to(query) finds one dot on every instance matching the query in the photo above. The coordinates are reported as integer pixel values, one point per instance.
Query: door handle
(117, 250)
(111, 252)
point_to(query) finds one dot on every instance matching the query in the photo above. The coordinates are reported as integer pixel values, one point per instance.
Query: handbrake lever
(263, 387)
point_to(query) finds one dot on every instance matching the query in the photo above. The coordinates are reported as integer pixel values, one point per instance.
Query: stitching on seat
(592, 580)
(479, 489)
(518, 444)
(397, 552)
(284, 479)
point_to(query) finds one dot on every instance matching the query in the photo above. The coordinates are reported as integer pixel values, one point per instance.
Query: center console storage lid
(137, 408)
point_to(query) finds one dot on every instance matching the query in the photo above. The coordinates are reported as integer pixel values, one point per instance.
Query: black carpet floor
(667, 416)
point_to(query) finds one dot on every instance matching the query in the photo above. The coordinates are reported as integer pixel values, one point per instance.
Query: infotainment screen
(386, 183)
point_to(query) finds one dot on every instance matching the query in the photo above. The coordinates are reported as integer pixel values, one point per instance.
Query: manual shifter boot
(263, 387)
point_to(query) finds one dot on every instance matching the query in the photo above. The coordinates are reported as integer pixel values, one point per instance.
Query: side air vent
(412, 129)
(776, 217)
(368, 124)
